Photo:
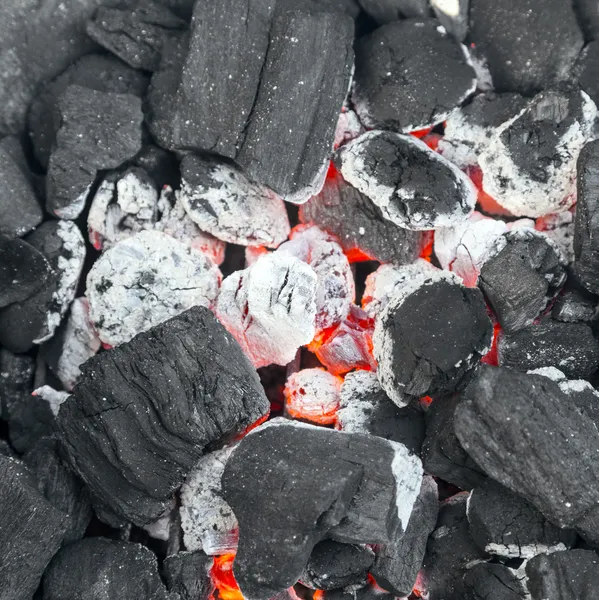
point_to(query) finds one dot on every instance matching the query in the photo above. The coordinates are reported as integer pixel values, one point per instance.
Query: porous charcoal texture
(574, 304)
(31, 531)
(188, 574)
(349, 7)
(429, 337)
(142, 413)
(98, 568)
(413, 186)
(292, 485)
(21, 211)
(524, 274)
(410, 75)
(386, 11)
(453, 15)
(526, 46)
(313, 395)
(397, 563)
(491, 581)
(35, 320)
(570, 347)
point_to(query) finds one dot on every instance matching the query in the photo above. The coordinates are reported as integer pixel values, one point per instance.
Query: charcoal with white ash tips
(387, 11)
(587, 69)
(290, 481)
(188, 574)
(313, 395)
(574, 304)
(453, 15)
(142, 414)
(492, 581)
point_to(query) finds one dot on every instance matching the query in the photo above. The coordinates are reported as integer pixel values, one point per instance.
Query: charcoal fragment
(188, 574)
(453, 15)
(313, 395)
(387, 11)
(491, 581)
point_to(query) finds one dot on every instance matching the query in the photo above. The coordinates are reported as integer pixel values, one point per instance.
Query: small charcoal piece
(142, 413)
(334, 565)
(31, 531)
(526, 46)
(410, 75)
(290, 481)
(21, 211)
(35, 320)
(536, 179)
(97, 568)
(359, 225)
(86, 143)
(525, 272)
(144, 280)
(188, 574)
(570, 347)
(221, 200)
(506, 525)
(430, 336)
(398, 563)
(492, 581)
(453, 15)
(574, 304)
(414, 187)
(387, 11)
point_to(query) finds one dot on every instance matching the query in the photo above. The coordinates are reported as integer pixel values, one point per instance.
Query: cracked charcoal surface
(410, 75)
(142, 413)
(387, 11)
(413, 186)
(187, 574)
(453, 15)
(490, 581)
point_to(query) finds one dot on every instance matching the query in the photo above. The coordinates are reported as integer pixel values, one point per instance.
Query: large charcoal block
(491, 581)
(387, 11)
(142, 413)
(188, 574)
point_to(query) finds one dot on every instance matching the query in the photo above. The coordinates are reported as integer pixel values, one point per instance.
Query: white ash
(483, 74)
(53, 397)
(407, 470)
(313, 395)
(161, 528)
(75, 208)
(526, 551)
(356, 401)
(253, 253)
(463, 140)
(145, 280)
(568, 386)
(549, 372)
(311, 189)
(449, 7)
(559, 227)
(348, 128)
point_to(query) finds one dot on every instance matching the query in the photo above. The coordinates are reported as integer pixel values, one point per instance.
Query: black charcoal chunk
(492, 581)
(162, 166)
(587, 12)
(528, 435)
(142, 413)
(569, 347)
(562, 575)
(504, 524)
(398, 563)
(23, 270)
(292, 485)
(31, 531)
(574, 304)
(349, 7)
(453, 15)
(587, 70)
(527, 45)
(387, 11)
(522, 277)
(188, 574)
(410, 75)
(19, 206)
(98, 568)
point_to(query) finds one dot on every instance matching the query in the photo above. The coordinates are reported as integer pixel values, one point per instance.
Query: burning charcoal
(535, 179)
(31, 531)
(413, 186)
(559, 228)
(506, 525)
(524, 274)
(269, 308)
(142, 413)
(35, 320)
(490, 581)
(430, 336)
(290, 481)
(86, 143)
(410, 75)
(570, 347)
(223, 202)
(23, 270)
(510, 35)
(143, 281)
(348, 127)
(21, 211)
(207, 521)
(334, 565)
(187, 574)
(453, 15)
(365, 408)
(387, 11)
(359, 225)
(54, 398)
(398, 563)
(97, 568)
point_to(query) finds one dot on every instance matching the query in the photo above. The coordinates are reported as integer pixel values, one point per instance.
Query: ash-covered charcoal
(365, 408)
(570, 347)
(492, 581)
(587, 70)
(398, 563)
(143, 281)
(35, 320)
(304, 82)
(414, 187)
(97, 568)
(453, 15)
(141, 414)
(506, 525)
(574, 304)
(410, 75)
(559, 228)
(529, 166)
(221, 200)
(53, 398)
(359, 225)
(348, 127)
(525, 272)
(31, 531)
(387, 11)
(19, 206)
(526, 46)
(188, 574)
(292, 485)
(430, 336)
(334, 565)
(270, 308)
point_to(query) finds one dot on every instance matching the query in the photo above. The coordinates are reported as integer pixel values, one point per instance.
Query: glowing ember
(313, 395)
(487, 203)
(226, 587)
(420, 133)
(490, 358)
(427, 250)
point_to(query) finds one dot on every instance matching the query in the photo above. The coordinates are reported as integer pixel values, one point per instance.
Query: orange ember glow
(427, 251)
(487, 203)
(314, 405)
(490, 358)
(420, 133)
(432, 140)
(355, 255)
(426, 400)
(253, 426)
(226, 587)
(319, 595)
